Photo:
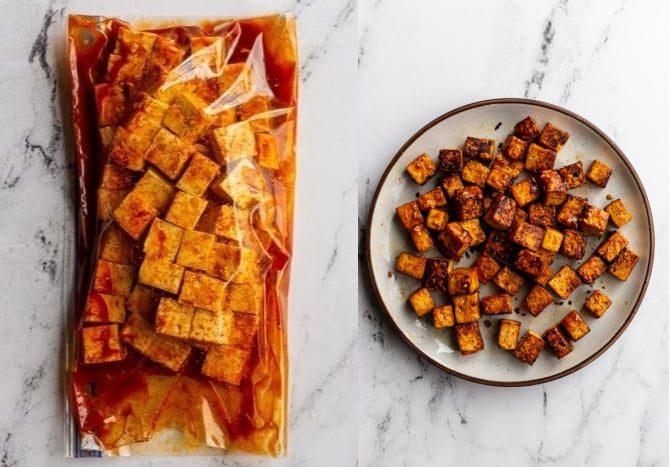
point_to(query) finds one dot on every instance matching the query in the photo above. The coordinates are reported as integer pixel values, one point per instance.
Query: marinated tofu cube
(575, 325)
(173, 319)
(462, 281)
(421, 169)
(539, 158)
(225, 363)
(476, 173)
(255, 111)
(199, 173)
(268, 152)
(421, 238)
(531, 262)
(593, 221)
(553, 137)
(497, 245)
(103, 308)
(161, 274)
(245, 298)
(185, 210)
(411, 265)
(450, 160)
(169, 153)
(451, 183)
(552, 240)
(486, 267)
(479, 148)
(468, 203)
(243, 185)
(165, 56)
(529, 347)
(623, 264)
(525, 192)
(106, 134)
(571, 211)
(170, 352)
(498, 304)
(564, 282)
(514, 148)
(116, 246)
(110, 103)
(134, 49)
(421, 301)
(500, 179)
(597, 303)
(573, 175)
(554, 189)
(143, 301)
(116, 178)
(619, 215)
(541, 215)
(574, 244)
(557, 341)
(592, 269)
(209, 327)
(432, 199)
(543, 277)
(453, 241)
(233, 142)
(186, 117)
(108, 201)
(443, 317)
(469, 338)
(508, 334)
(537, 300)
(202, 291)
(194, 249)
(526, 235)
(501, 213)
(138, 333)
(113, 278)
(527, 129)
(224, 260)
(409, 214)
(162, 241)
(436, 273)
(237, 76)
(250, 269)
(155, 189)
(508, 280)
(610, 248)
(134, 214)
(243, 331)
(101, 344)
(599, 173)
(474, 228)
(436, 219)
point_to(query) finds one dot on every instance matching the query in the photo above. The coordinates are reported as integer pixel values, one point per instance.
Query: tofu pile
(519, 225)
(179, 265)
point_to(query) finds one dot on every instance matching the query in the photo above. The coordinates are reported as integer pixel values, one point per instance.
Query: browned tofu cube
(443, 317)
(599, 173)
(544, 276)
(619, 215)
(552, 240)
(233, 142)
(564, 282)
(162, 240)
(432, 199)
(526, 235)
(500, 214)
(593, 221)
(610, 248)
(508, 280)
(557, 341)
(101, 344)
(539, 158)
(574, 244)
(116, 246)
(498, 304)
(597, 303)
(508, 334)
(161, 274)
(143, 301)
(411, 265)
(466, 307)
(195, 249)
(514, 148)
(519, 215)
(202, 291)
(409, 214)
(541, 215)
(450, 160)
(527, 129)
(134, 214)
(537, 300)
(479, 148)
(113, 279)
(245, 298)
(500, 179)
(436, 273)
(451, 183)
(623, 264)
(462, 281)
(468, 203)
(554, 189)
(474, 228)
(531, 262)
(169, 153)
(421, 238)
(436, 219)
(199, 173)
(486, 267)
(571, 211)
(186, 116)
(225, 363)
(103, 308)
(525, 192)
(529, 347)
(497, 245)
(512, 167)
(469, 338)
(453, 241)
(173, 319)
(421, 301)
(476, 173)
(592, 269)
(553, 137)
(421, 169)
(573, 175)
(185, 210)
(575, 325)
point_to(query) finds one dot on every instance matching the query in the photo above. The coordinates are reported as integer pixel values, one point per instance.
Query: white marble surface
(604, 60)
(37, 224)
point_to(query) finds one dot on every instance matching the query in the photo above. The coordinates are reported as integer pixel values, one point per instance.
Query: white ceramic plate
(386, 237)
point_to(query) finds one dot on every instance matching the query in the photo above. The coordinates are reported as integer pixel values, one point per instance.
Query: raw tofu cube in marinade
(199, 173)
(225, 363)
(173, 318)
(250, 269)
(169, 153)
(143, 300)
(113, 279)
(116, 246)
(186, 117)
(242, 185)
(108, 201)
(233, 142)
(235, 74)
(255, 111)
(165, 56)
(185, 210)
(162, 240)
(134, 49)
(245, 298)
(103, 308)
(161, 274)
(194, 249)
(101, 344)
(110, 103)
(224, 261)
(202, 291)
(210, 327)
(268, 151)
(134, 214)
(243, 330)
(154, 188)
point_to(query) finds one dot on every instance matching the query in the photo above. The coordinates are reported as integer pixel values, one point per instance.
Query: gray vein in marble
(48, 252)
(363, 36)
(8, 458)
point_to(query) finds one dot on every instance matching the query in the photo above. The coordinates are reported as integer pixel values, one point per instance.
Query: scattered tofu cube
(195, 249)
(526, 235)
(436, 273)
(498, 304)
(575, 325)
(623, 264)
(421, 238)
(101, 344)
(162, 240)
(453, 241)
(199, 173)
(479, 148)
(571, 211)
(233, 142)
(421, 169)
(451, 183)
(169, 153)
(161, 274)
(529, 347)
(268, 152)
(103, 308)
(450, 160)
(564, 282)
(143, 301)
(552, 240)
(225, 363)
(527, 129)
(486, 267)
(186, 117)
(531, 262)
(514, 148)
(185, 210)
(468, 203)
(462, 281)
(508, 280)
(432, 199)
(409, 214)
(500, 179)
(539, 158)
(474, 228)
(475, 172)
(411, 265)
(557, 341)
(599, 173)
(544, 276)
(134, 214)
(574, 244)
(469, 338)
(245, 298)
(497, 245)
(224, 260)
(553, 137)
(512, 167)
(116, 246)
(443, 317)
(591, 269)
(593, 221)
(436, 219)
(113, 278)
(553, 188)
(421, 301)
(610, 248)
(173, 318)
(537, 300)
(525, 191)
(619, 215)
(597, 303)
(508, 334)
(501, 212)
(541, 215)
(573, 175)
(202, 291)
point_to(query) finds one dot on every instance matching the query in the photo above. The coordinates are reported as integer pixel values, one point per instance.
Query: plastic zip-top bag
(185, 151)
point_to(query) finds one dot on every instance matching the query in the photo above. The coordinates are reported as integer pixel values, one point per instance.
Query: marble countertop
(606, 61)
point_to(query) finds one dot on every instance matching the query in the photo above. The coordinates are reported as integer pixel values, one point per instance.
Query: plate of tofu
(510, 242)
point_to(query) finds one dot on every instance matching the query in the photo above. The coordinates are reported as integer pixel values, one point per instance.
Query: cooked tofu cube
(103, 308)
(525, 191)
(527, 129)
(116, 246)
(553, 137)
(421, 238)
(225, 363)
(531, 262)
(476, 173)
(453, 241)
(443, 317)
(134, 214)
(501, 212)
(243, 185)
(479, 148)
(436, 273)
(436, 219)
(574, 244)
(469, 338)
(245, 298)
(185, 210)
(623, 264)
(541, 215)
(508, 334)
(421, 301)
(599, 173)
(233, 142)
(432, 199)
(554, 190)
(537, 300)
(409, 214)
(468, 203)
(202, 291)
(575, 325)
(155, 189)
(571, 211)
(451, 183)
(529, 347)
(619, 215)
(544, 276)
(209, 327)
(610, 248)
(498, 304)
(421, 169)
(597, 303)
(573, 175)
(514, 148)
(497, 245)
(268, 152)
(224, 260)
(169, 153)
(526, 235)
(162, 240)
(411, 265)
(462, 281)
(519, 216)
(113, 278)
(508, 280)
(486, 267)
(161, 274)
(199, 173)
(143, 301)
(552, 240)
(186, 117)
(500, 179)
(593, 221)
(564, 282)
(101, 344)
(173, 319)
(474, 228)
(592, 269)
(539, 158)
(194, 249)
(557, 341)
(512, 167)
(450, 160)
